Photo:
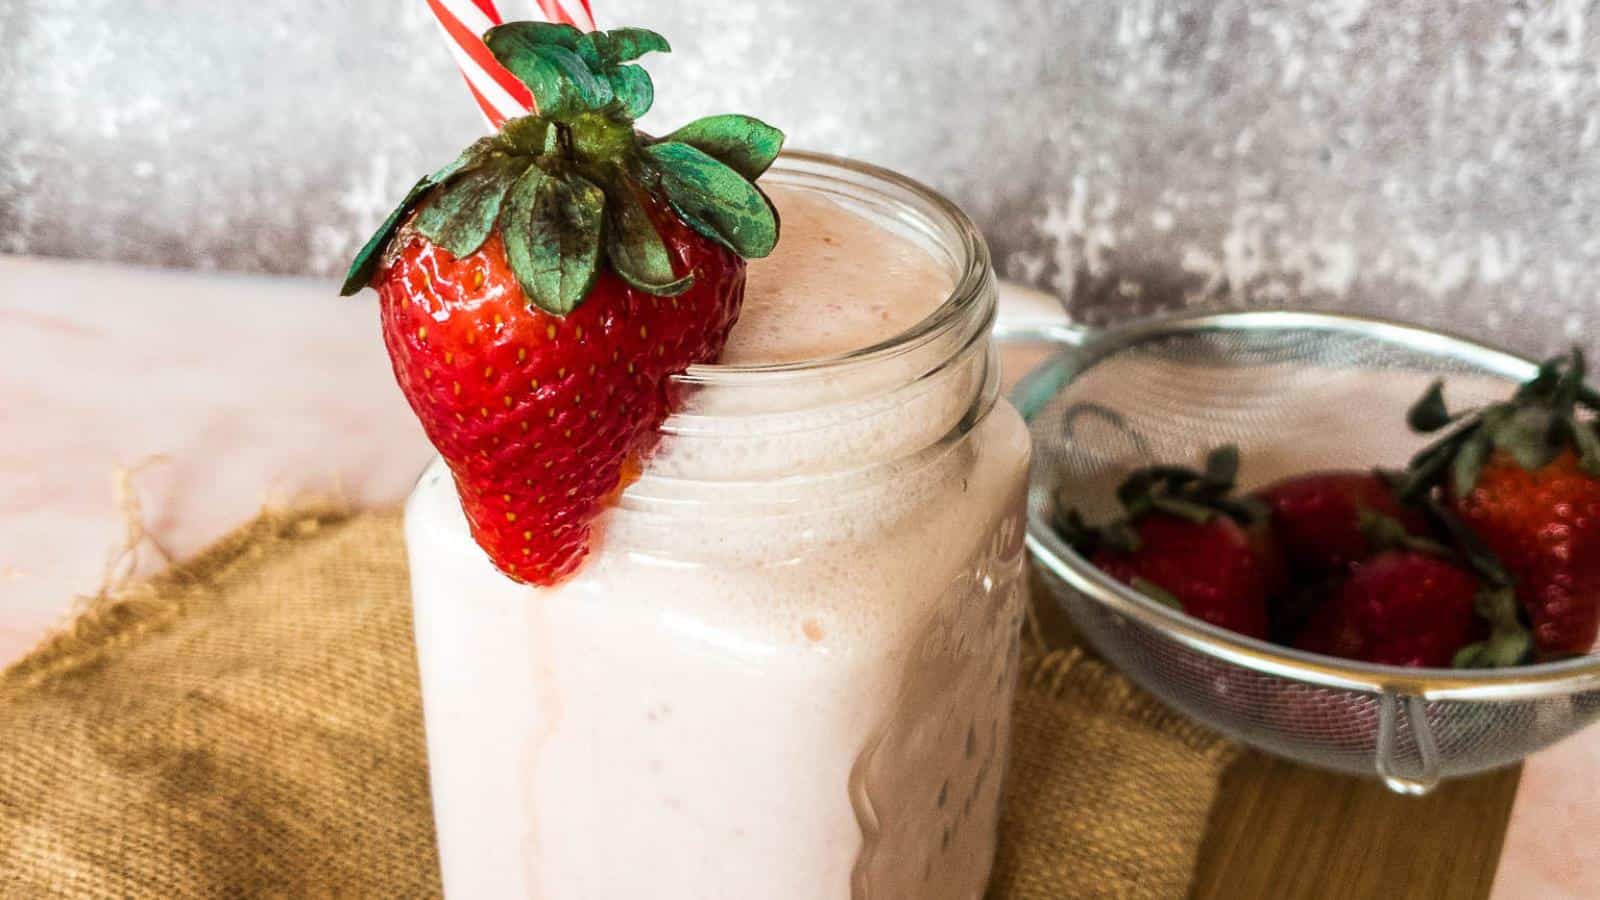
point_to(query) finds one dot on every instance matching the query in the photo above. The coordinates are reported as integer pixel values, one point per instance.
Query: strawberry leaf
(569, 71)
(1509, 643)
(1157, 593)
(561, 82)
(460, 218)
(1188, 510)
(632, 87)
(1543, 383)
(589, 51)
(1135, 489)
(1222, 466)
(1500, 651)
(715, 200)
(1467, 543)
(533, 34)
(592, 90)
(476, 152)
(1387, 533)
(1431, 462)
(1121, 537)
(366, 261)
(1498, 607)
(1469, 462)
(620, 45)
(1429, 414)
(1525, 434)
(552, 234)
(1195, 496)
(1174, 477)
(1078, 534)
(1583, 434)
(1244, 510)
(636, 250)
(1565, 396)
(742, 143)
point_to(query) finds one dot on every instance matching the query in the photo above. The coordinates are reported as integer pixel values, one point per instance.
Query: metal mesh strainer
(1295, 391)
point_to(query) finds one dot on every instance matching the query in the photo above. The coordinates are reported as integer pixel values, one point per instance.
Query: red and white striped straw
(498, 93)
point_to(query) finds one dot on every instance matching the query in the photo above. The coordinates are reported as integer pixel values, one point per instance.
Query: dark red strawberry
(538, 293)
(1544, 526)
(1318, 519)
(1400, 608)
(1212, 570)
(1186, 543)
(1521, 481)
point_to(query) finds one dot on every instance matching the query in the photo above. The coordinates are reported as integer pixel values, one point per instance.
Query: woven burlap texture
(247, 724)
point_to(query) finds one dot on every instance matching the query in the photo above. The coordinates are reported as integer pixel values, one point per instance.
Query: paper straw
(498, 93)
(572, 12)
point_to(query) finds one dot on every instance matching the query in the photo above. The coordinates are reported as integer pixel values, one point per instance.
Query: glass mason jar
(786, 669)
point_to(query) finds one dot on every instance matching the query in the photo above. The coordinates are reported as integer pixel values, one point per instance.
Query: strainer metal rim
(1083, 349)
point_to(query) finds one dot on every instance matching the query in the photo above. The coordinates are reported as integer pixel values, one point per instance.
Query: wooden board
(1286, 832)
(1281, 831)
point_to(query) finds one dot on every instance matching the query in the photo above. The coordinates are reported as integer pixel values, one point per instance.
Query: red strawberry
(1318, 518)
(537, 294)
(1521, 481)
(1212, 569)
(1184, 542)
(537, 414)
(1400, 608)
(1544, 527)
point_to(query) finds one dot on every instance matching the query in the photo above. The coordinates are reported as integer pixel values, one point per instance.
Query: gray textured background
(1433, 160)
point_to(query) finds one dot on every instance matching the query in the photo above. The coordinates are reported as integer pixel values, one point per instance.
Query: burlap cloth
(247, 724)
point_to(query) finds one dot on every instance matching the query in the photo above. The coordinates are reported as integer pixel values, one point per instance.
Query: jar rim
(740, 407)
(966, 295)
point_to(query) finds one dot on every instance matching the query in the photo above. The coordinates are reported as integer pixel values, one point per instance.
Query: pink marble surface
(1551, 850)
(253, 390)
(231, 392)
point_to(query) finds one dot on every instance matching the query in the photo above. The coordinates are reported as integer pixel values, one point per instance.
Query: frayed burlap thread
(247, 724)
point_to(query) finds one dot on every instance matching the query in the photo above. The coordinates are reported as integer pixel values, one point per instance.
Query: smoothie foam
(835, 283)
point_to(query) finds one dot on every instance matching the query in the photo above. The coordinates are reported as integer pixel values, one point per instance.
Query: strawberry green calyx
(1385, 533)
(1508, 644)
(1197, 496)
(572, 188)
(1535, 426)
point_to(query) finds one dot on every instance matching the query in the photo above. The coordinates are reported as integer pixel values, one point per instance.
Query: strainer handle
(1040, 332)
(1426, 778)
(1027, 316)
(1034, 326)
